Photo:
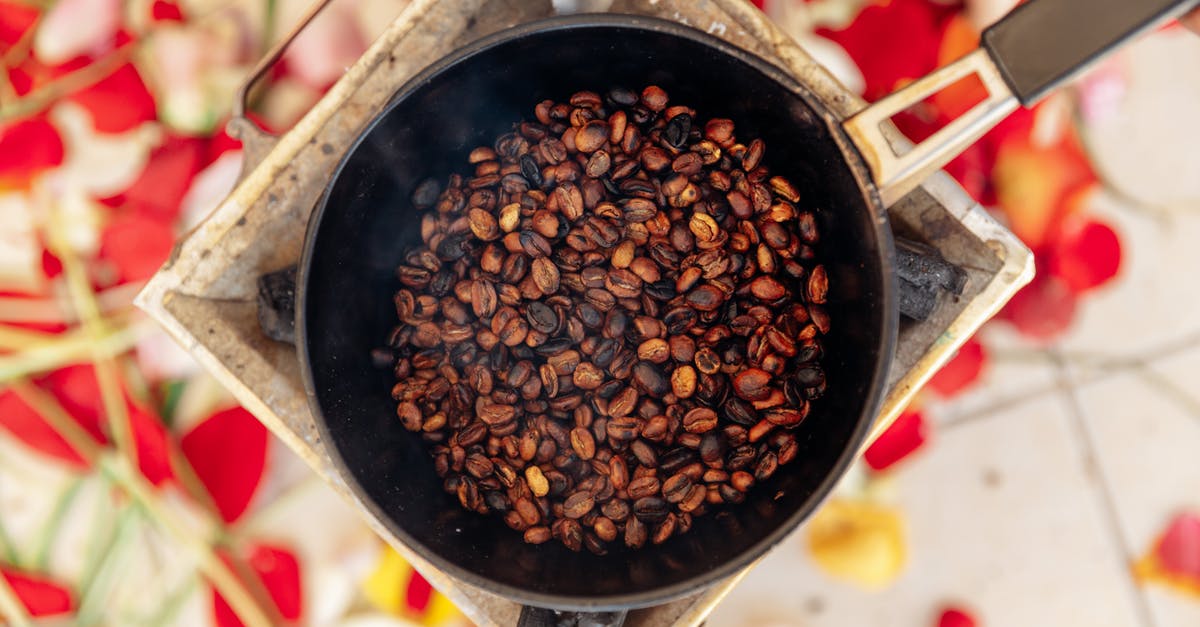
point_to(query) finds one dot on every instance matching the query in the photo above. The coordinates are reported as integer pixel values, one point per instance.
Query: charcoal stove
(206, 295)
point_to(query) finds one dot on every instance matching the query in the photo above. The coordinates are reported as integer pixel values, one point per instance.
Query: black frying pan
(363, 225)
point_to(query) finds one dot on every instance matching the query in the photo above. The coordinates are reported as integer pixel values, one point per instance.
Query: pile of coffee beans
(614, 325)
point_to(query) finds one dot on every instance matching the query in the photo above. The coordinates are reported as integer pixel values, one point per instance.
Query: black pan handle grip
(1044, 43)
(542, 617)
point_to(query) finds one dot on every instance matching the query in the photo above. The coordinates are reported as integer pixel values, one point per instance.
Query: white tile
(1016, 370)
(1147, 139)
(1002, 516)
(1146, 445)
(1150, 306)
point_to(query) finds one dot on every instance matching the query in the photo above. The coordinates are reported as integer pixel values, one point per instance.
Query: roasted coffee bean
(651, 510)
(569, 532)
(582, 443)
(617, 282)
(635, 533)
(752, 384)
(537, 535)
(818, 285)
(578, 504)
(650, 379)
(676, 488)
(700, 420)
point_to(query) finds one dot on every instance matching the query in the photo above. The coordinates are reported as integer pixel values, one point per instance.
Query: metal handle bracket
(898, 174)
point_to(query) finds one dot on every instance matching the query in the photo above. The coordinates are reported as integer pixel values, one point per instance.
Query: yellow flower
(858, 541)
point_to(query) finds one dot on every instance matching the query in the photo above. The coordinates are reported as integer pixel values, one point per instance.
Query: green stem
(168, 612)
(8, 548)
(41, 555)
(94, 593)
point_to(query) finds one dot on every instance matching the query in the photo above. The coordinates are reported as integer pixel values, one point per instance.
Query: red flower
(279, 571)
(1043, 309)
(40, 596)
(893, 42)
(955, 617)
(418, 594)
(1085, 254)
(961, 371)
(78, 391)
(15, 19)
(905, 436)
(228, 451)
(168, 175)
(27, 148)
(136, 245)
(163, 11)
(30, 428)
(1179, 550)
(119, 102)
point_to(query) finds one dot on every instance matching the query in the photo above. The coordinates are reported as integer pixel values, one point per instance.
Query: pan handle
(1028, 53)
(256, 143)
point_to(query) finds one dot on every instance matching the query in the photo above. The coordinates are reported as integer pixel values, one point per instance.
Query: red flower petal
(1086, 254)
(152, 443)
(51, 265)
(163, 11)
(279, 571)
(907, 434)
(418, 593)
(40, 596)
(893, 42)
(1179, 550)
(31, 429)
(1042, 310)
(137, 245)
(954, 617)
(160, 188)
(961, 371)
(228, 451)
(27, 148)
(15, 19)
(119, 102)
(78, 391)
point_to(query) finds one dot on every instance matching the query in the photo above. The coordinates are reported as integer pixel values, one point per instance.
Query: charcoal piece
(916, 302)
(277, 304)
(923, 266)
(541, 617)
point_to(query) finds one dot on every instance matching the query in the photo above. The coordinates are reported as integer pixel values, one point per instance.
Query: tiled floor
(1062, 466)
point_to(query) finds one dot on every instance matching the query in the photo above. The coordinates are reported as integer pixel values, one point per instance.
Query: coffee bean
(676, 488)
(651, 510)
(582, 443)
(818, 285)
(635, 533)
(752, 384)
(537, 535)
(677, 130)
(654, 98)
(700, 420)
(537, 481)
(650, 379)
(767, 288)
(578, 504)
(622, 429)
(591, 137)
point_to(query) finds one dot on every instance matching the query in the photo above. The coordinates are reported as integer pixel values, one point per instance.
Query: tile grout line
(1115, 366)
(1108, 504)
